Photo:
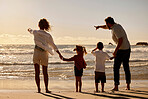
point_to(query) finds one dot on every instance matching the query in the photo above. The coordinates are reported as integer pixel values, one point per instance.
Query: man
(122, 51)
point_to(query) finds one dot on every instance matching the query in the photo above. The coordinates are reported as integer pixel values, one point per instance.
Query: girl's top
(78, 61)
(44, 40)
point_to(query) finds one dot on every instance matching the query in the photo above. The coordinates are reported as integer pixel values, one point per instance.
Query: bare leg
(37, 77)
(80, 83)
(115, 88)
(45, 78)
(96, 84)
(128, 86)
(102, 84)
(76, 83)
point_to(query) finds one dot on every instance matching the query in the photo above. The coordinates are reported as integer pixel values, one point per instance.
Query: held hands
(61, 57)
(114, 54)
(112, 58)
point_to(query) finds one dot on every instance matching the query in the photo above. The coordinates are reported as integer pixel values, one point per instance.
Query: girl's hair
(81, 49)
(44, 24)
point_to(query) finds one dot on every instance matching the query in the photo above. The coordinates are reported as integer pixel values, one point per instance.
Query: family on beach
(44, 44)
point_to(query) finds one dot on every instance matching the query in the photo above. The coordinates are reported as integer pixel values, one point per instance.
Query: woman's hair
(110, 20)
(80, 49)
(44, 24)
(100, 45)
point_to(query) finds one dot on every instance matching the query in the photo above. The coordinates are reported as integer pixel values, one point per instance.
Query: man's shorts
(100, 76)
(40, 57)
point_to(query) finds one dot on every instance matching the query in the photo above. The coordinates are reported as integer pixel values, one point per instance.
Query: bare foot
(39, 90)
(128, 87)
(96, 91)
(115, 89)
(103, 91)
(47, 91)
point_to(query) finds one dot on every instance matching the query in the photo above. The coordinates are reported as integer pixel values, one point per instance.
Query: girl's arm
(69, 59)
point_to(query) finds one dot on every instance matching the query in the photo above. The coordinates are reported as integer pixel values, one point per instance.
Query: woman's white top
(44, 40)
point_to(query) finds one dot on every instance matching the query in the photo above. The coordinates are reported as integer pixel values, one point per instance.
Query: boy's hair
(44, 24)
(110, 20)
(100, 45)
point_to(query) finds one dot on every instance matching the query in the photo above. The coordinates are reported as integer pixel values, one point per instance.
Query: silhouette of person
(122, 51)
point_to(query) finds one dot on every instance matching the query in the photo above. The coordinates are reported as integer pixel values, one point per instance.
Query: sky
(72, 21)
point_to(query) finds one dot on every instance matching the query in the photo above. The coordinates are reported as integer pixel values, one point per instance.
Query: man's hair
(100, 45)
(110, 20)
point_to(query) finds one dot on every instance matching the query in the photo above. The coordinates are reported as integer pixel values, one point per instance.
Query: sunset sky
(72, 21)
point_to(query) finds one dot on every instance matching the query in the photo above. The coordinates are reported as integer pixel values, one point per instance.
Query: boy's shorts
(100, 76)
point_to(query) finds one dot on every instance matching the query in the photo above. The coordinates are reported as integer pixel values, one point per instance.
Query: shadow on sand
(105, 96)
(137, 92)
(122, 94)
(56, 96)
(113, 95)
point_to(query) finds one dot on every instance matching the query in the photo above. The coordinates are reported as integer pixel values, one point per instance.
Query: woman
(43, 45)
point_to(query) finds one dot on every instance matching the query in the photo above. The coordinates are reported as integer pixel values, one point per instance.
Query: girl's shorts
(78, 72)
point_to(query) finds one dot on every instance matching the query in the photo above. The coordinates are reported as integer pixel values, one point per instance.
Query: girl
(79, 63)
(43, 44)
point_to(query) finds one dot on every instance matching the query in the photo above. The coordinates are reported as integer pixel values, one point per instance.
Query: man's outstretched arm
(101, 26)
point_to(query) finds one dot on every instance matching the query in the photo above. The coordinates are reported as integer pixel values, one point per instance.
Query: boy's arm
(101, 26)
(93, 51)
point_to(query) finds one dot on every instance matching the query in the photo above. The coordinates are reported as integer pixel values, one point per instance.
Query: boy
(100, 65)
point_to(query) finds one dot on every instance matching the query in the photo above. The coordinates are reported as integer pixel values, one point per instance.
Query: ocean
(16, 62)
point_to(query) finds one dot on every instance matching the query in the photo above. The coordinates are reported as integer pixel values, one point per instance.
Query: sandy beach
(26, 89)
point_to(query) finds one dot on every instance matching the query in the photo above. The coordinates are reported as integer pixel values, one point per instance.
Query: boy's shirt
(100, 60)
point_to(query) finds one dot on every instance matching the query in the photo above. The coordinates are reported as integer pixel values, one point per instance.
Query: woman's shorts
(100, 76)
(78, 72)
(40, 57)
